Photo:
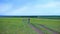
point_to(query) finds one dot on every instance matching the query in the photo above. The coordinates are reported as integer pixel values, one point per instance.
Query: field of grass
(20, 25)
(50, 23)
(15, 26)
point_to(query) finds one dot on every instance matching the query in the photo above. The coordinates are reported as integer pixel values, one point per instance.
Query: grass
(42, 29)
(15, 26)
(50, 23)
(20, 25)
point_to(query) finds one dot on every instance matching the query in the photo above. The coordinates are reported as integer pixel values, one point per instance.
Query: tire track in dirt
(51, 30)
(36, 29)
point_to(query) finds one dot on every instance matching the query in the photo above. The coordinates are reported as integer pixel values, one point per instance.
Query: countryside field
(51, 24)
(36, 25)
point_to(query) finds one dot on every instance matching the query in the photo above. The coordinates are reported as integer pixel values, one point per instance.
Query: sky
(29, 7)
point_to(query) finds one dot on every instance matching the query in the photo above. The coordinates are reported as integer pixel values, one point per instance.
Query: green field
(53, 24)
(20, 25)
(50, 23)
(15, 26)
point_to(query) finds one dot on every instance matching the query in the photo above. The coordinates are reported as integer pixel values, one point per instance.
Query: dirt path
(53, 31)
(36, 29)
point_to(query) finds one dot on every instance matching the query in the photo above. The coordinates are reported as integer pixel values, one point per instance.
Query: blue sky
(29, 7)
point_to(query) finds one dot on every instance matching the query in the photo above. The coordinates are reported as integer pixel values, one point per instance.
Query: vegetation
(50, 23)
(15, 25)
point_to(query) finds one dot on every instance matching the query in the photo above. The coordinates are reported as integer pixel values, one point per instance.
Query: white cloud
(40, 9)
(17, 11)
(48, 5)
(5, 7)
(49, 8)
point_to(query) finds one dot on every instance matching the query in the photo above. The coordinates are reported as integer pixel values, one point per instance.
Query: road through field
(36, 29)
(51, 30)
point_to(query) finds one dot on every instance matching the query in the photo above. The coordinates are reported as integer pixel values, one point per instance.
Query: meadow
(52, 24)
(21, 26)
(15, 26)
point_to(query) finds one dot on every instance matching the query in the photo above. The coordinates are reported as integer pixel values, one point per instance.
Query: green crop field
(15, 26)
(21, 26)
(50, 23)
